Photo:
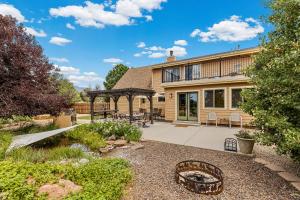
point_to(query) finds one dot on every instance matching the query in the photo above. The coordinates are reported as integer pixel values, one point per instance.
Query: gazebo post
(92, 99)
(151, 108)
(130, 99)
(116, 98)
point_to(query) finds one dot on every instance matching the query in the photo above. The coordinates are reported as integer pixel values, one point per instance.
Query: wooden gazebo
(115, 94)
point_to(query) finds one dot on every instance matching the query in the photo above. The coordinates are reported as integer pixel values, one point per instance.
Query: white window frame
(214, 108)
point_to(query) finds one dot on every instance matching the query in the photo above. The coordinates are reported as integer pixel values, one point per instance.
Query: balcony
(214, 77)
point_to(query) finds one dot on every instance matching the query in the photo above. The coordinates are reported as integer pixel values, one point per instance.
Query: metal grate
(230, 144)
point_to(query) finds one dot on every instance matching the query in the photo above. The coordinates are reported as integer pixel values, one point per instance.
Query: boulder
(106, 149)
(59, 190)
(113, 137)
(120, 143)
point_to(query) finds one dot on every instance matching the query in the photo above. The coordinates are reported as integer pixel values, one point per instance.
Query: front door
(187, 106)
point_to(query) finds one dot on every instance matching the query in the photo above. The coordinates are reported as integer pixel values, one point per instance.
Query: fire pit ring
(199, 177)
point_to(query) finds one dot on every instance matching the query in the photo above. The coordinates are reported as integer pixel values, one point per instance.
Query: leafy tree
(275, 100)
(114, 76)
(66, 89)
(25, 83)
(83, 94)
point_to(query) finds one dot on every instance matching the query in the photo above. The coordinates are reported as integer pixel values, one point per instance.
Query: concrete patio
(207, 137)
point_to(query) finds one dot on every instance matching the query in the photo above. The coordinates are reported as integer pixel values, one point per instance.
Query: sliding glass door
(187, 106)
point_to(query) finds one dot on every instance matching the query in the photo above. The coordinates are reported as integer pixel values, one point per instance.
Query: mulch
(243, 178)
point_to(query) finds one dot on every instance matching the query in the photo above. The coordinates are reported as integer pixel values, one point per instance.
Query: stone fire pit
(199, 177)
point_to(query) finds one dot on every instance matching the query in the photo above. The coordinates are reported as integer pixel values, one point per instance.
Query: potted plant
(246, 141)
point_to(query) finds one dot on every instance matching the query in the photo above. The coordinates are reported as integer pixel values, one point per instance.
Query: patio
(206, 137)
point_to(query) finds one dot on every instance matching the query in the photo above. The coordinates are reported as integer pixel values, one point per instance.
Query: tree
(25, 81)
(275, 100)
(83, 94)
(114, 76)
(66, 89)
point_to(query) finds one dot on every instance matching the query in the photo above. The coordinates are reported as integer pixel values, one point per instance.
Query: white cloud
(84, 79)
(195, 32)
(128, 8)
(180, 42)
(148, 18)
(155, 48)
(141, 45)
(137, 55)
(60, 41)
(7, 9)
(90, 74)
(178, 51)
(67, 70)
(70, 26)
(112, 60)
(233, 30)
(60, 60)
(35, 33)
(96, 15)
(157, 55)
(91, 14)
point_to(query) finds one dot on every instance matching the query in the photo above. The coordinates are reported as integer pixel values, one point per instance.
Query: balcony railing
(175, 78)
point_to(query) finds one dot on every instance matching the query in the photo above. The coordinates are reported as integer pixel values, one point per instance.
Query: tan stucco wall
(171, 104)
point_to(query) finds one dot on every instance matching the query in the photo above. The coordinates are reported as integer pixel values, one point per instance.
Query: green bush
(84, 134)
(42, 155)
(119, 129)
(15, 119)
(100, 179)
(5, 140)
(35, 129)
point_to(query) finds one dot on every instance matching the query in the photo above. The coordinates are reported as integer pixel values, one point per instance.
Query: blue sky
(86, 38)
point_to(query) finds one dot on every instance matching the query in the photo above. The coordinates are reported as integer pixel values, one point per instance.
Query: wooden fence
(84, 108)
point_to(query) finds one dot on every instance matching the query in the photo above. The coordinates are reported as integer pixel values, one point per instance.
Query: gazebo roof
(121, 92)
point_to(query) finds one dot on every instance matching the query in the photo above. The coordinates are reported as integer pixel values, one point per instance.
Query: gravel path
(244, 179)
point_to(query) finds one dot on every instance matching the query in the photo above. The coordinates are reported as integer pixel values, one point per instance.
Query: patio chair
(235, 117)
(212, 116)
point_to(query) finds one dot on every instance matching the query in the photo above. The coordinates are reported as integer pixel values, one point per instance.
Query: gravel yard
(244, 179)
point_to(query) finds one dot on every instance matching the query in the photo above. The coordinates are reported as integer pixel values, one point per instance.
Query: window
(236, 97)
(170, 74)
(192, 72)
(237, 68)
(161, 98)
(214, 98)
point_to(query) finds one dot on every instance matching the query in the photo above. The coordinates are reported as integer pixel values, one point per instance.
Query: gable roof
(136, 78)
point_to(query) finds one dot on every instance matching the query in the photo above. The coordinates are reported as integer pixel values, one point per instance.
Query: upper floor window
(192, 72)
(214, 98)
(236, 97)
(170, 74)
(237, 68)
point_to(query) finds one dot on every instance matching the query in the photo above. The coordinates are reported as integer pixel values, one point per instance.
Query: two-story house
(187, 90)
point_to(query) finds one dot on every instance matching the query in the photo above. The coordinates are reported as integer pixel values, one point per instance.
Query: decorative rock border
(291, 178)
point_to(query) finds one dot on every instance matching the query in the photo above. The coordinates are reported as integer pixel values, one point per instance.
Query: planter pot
(246, 145)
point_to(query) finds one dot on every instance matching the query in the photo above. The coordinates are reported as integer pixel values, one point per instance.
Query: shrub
(5, 140)
(119, 129)
(100, 179)
(35, 129)
(42, 155)
(245, 134)
(86, 135)
(15, 119)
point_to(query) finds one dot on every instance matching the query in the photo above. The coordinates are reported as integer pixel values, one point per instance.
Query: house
(187, 90)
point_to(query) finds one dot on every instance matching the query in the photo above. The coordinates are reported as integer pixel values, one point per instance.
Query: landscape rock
(113, 137)
(289, 177)
(138, 146)
(106, 149)
(110, 142)
(296, 185)
(275, 168)
(59, 190)
(261, 161)
(80, 146)
(83, 161)
(119, 143)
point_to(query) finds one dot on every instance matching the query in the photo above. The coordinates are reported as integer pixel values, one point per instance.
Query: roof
(136, 78)
(226, 54)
